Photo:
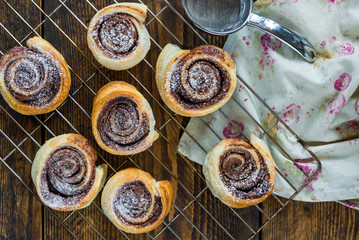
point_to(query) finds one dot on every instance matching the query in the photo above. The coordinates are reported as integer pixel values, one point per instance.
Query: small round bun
(34, 80)
(195, 82)
(118, 37)
(240, 174)
(135, 202)
(65, 175)
(122, 120)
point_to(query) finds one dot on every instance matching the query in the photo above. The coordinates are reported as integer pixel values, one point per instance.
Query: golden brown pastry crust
(225, 191)
(115, 61)
(52, 163)
(175, 61)
(123, 185)
(116, 143)
(42, 51)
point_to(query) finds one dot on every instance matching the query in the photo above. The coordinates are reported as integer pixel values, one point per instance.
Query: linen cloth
(318, 101)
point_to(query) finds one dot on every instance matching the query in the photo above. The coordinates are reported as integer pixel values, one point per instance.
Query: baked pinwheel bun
(34, 80)
(135, 202)
(240, 174)
(65, 175)
(195, 82)
(122, 119)
(118, 37)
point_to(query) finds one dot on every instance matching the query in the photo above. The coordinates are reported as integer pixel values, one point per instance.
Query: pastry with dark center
(34, 80)
(118, 37)
(135, 202)
(122, 119)
(240, 174)
(65, 175)
(195, 82)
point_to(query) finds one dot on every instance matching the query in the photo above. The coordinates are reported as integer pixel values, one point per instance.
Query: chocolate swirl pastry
(240, 174)
(117, 36)
(122, 120)
(135, 202)
(34, 80)
(197, 82)
(65, 174)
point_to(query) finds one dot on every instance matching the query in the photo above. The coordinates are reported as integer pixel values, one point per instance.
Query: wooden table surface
(196, 214)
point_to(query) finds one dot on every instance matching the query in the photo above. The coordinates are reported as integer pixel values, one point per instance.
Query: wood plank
(300, 220)
(20, 212)
(190, 218)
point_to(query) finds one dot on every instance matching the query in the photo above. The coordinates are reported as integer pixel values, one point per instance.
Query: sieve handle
(293, 40)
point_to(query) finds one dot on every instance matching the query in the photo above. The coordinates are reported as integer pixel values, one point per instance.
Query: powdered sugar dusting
(121, 125)
(116, 35)
(244, 172)
(135, 204)
(198, 81)
(31, 77)
(66, 178)
(203, 82)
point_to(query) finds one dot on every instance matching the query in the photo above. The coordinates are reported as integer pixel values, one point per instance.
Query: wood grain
(301, 220)
(20, 212)
(195, 213)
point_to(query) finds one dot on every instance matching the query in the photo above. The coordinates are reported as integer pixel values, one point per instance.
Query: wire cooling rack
(189, 200)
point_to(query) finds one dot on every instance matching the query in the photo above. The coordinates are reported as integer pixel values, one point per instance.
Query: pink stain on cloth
(233, 130)
(310, 167)
(290, 115)
(345, 50)
(353, 127)
(336, 105)
(343, 82)
(287, 1)
(336, 2)
(270, 42)
(266, 61)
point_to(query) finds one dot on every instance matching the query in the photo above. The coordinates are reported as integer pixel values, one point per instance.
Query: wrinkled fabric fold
(318, 101)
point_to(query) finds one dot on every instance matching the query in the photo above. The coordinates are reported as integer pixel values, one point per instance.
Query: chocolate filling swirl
(121, 125)
(116, 34)
(31, 77)
(67, 176)
(198, 81)
(246, 176)
(134, 204)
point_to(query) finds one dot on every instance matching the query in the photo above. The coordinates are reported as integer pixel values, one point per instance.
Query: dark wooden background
(21, 214)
